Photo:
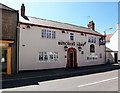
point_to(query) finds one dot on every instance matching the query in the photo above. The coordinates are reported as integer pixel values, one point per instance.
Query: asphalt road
(103, 81)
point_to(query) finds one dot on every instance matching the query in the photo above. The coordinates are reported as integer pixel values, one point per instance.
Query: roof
(108, 37)
(2, 6)
(110, 50)
(50, 23)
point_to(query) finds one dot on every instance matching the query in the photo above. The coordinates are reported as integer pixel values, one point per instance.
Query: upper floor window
(71, 36)
(48, 34)
(92, 39)
(92, 48)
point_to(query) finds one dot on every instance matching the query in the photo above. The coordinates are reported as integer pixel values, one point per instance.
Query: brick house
(8, 39)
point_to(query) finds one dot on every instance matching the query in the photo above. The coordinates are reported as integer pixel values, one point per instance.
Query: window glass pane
(55, 56)
(41, 56)
(45, 57)
(53, 34)
(92, 39)
(48, 34)
(43, 33)
(95, 40)
(71, 36)
(51, 57)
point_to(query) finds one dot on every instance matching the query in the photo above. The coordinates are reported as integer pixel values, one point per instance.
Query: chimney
(22, 10)
(91, 25)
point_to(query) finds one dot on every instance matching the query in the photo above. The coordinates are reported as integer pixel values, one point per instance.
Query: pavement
(25, 78)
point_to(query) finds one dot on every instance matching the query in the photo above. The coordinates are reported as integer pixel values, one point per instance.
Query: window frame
(49, 34)
(92, 48)
(71, 36)
(54, 54)
(92, 39)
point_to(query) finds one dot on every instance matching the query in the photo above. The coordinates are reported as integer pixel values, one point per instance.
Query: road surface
(104, 81)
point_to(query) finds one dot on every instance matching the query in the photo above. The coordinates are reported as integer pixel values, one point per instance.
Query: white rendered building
(46, 44)
(112, 47)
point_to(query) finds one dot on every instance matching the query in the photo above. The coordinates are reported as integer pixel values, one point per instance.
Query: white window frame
(48, 34)
(43, 33)
(91, 58)
(55, 54)
(92, 39)
(72, 35)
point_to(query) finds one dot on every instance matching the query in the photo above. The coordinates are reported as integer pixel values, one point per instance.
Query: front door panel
(71, 59)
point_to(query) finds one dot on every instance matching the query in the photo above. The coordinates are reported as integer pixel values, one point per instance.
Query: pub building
(47, 44)
(29, 43)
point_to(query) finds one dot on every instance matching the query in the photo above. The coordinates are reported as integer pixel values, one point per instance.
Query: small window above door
(72, 36)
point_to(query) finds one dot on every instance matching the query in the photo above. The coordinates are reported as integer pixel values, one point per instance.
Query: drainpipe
(105, 49)
(17, 43)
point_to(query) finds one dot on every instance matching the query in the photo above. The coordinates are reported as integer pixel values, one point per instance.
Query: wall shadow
(25, 78)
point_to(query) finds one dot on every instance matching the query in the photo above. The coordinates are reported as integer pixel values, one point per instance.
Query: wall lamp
(66, 48)
(28, 26)
(79, 48)
(63, 31)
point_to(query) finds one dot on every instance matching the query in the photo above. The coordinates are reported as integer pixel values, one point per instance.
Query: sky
(104, 14)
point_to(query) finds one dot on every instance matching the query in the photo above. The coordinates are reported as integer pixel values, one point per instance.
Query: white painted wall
(34, 43)
(112, 45)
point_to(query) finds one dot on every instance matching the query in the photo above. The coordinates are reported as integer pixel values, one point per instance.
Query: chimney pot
(22, 10)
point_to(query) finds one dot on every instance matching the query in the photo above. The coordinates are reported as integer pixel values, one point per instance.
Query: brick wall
(9, 32)
(9, 24)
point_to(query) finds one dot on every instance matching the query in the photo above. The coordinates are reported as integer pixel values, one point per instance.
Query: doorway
(5, 57)
(116, 57)
(71, 58)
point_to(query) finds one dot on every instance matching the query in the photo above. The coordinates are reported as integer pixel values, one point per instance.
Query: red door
(71, 58)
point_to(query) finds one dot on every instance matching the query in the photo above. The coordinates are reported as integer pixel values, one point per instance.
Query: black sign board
(102, 41)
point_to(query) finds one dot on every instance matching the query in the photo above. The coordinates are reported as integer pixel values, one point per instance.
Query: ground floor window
(92, 57)
(48, 56)
(89, 59)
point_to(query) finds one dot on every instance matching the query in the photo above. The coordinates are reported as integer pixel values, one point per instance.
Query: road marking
(51, 75)
(97, 82)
